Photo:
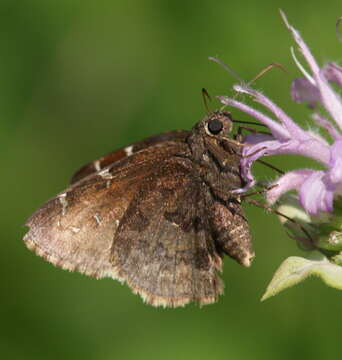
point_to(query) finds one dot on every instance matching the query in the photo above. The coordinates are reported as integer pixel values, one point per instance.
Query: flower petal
(333, 73)
(289, 124)
(314, 194)
(335, 168)
(325, 123)
(301, 44)
(292, 180)
(329, 99)
(262, 145)
(253, 153)
(311, 148)
(257, 138)
(277, 129)
(302, 91)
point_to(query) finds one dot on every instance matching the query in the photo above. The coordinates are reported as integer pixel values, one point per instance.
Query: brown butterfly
(158, 215)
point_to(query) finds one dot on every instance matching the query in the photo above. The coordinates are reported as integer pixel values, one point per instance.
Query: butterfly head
(212, 135)
(217, 124)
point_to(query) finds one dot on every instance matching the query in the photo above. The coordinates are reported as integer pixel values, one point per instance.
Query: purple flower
(316, 189)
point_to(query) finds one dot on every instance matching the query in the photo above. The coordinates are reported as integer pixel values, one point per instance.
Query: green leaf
(296, 269)
(337, 259)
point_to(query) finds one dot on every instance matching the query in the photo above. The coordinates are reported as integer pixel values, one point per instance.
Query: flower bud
(310, 232)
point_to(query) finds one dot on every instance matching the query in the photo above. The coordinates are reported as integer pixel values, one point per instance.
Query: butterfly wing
(112, 157)
(140, 220)
(163, 247)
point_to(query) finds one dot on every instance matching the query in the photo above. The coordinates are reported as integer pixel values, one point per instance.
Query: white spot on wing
(206, 157)
(97, 165)
(75, 229)
(129, 150)
(98, 219)
(63, 201)
(105, 174)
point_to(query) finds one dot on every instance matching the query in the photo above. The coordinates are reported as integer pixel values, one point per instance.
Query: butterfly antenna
(206, 97)
(227, 68)
(242, 81)
(259, 75)
(265, 70)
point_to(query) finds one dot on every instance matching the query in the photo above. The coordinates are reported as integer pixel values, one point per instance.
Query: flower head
(316, 188)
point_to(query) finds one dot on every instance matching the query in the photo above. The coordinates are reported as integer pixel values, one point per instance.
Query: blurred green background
(81, 78)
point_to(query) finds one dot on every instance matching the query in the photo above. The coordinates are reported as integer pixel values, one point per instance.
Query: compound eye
(215, 126)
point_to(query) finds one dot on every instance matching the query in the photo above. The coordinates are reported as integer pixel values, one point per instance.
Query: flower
(314, 217)
(317, 189)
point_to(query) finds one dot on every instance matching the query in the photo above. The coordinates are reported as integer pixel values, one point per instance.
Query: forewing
(140, 221)
(163, 247)
(114, 156)
(75, 230)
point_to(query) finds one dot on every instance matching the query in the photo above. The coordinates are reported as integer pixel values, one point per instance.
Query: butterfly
(158, 215)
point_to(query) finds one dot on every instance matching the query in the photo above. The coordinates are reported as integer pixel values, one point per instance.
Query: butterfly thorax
(212, 149)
